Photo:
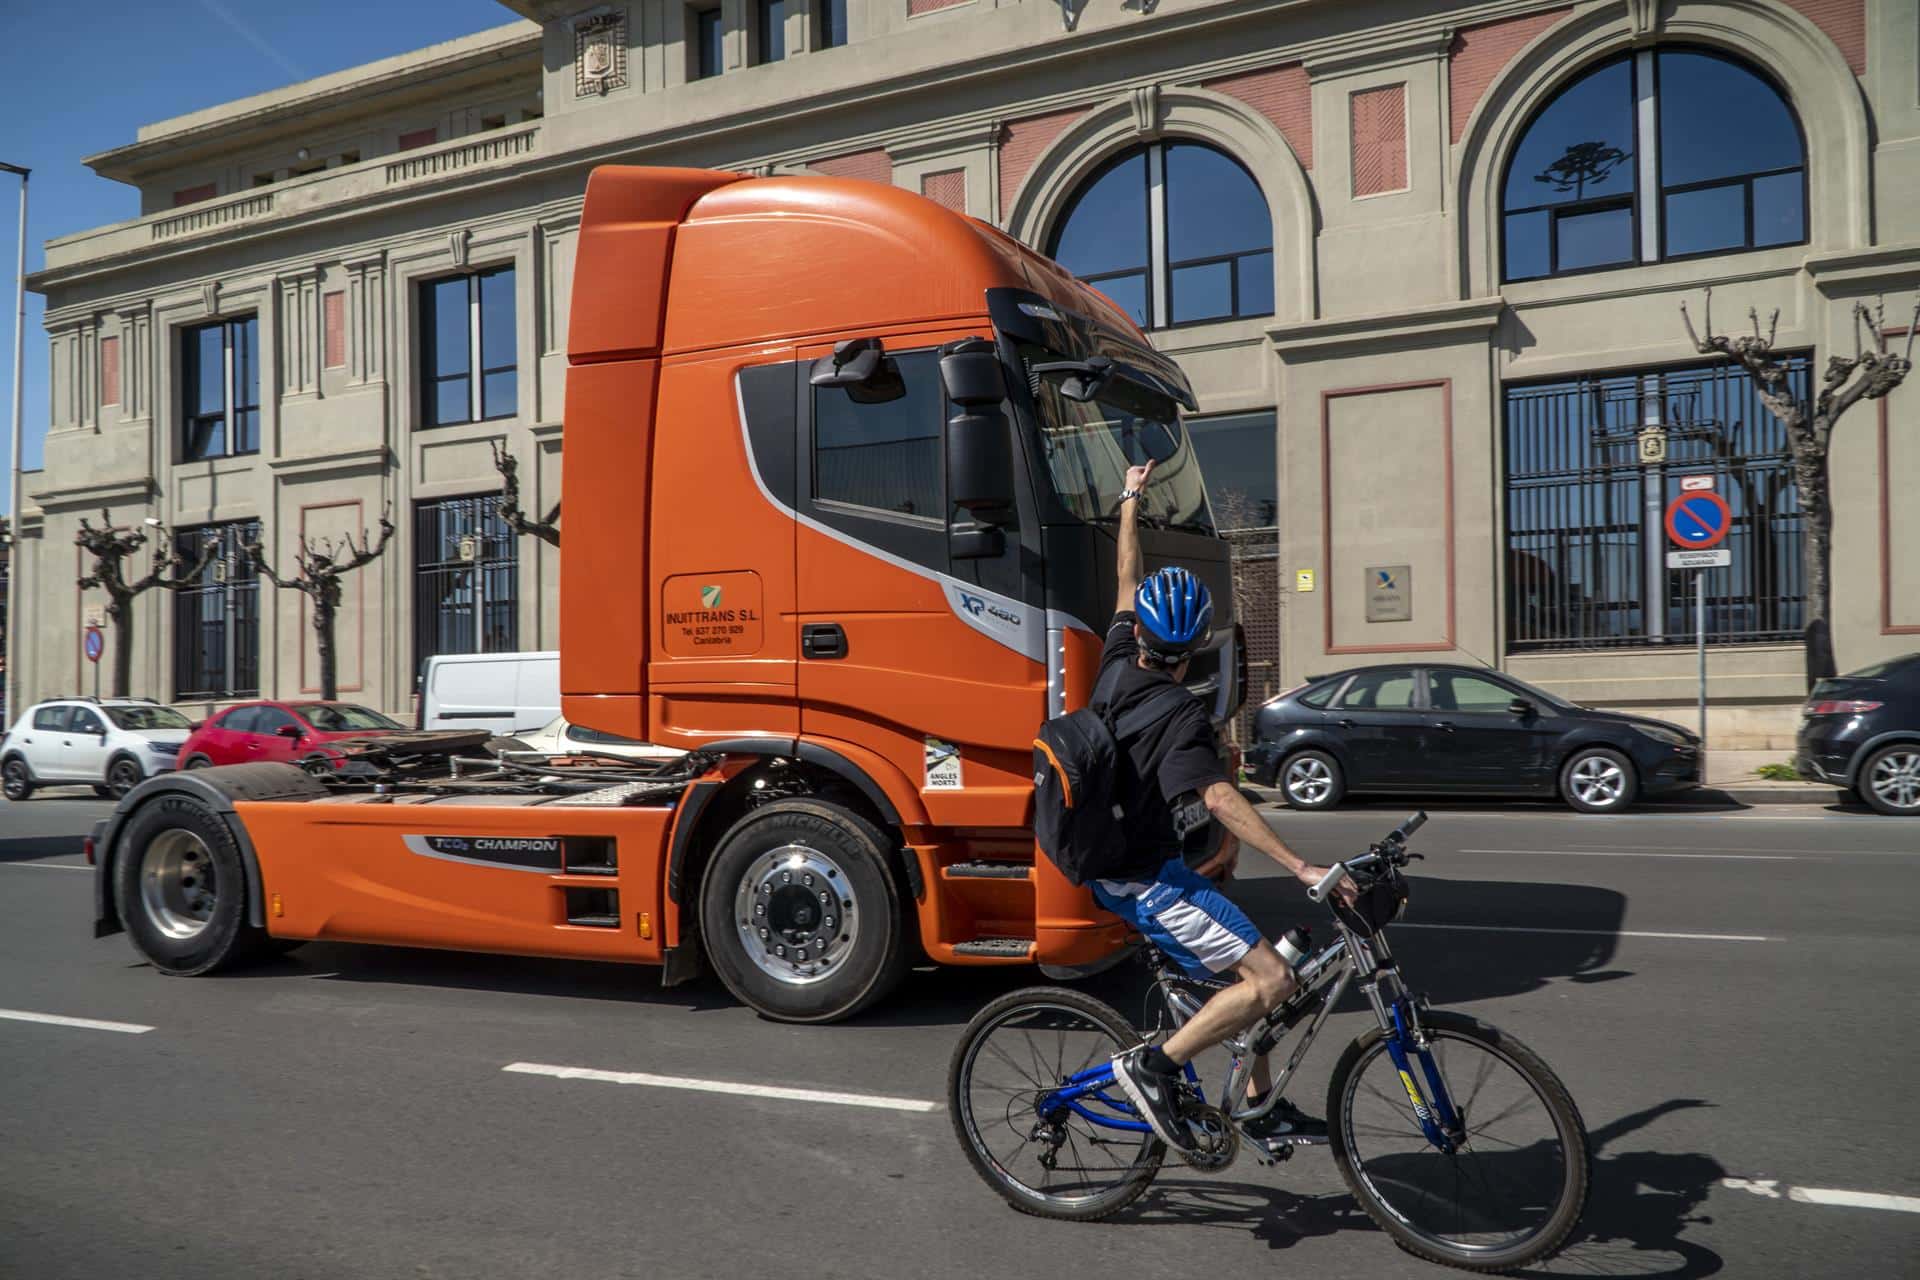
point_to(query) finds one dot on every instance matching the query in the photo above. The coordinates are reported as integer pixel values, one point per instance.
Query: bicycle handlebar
(1386, 848)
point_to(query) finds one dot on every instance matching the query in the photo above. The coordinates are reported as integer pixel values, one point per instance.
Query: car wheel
(1311, 780)
(1598, 780)
(123, 775)
(197, 761)
(800, 916)
(16, 780)
(1890, 780)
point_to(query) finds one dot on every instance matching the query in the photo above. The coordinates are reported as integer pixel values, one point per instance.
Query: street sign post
(1698, 522)
(93, 643)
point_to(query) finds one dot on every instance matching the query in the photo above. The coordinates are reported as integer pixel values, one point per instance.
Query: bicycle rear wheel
(1513, 1191)
(1060, 1166)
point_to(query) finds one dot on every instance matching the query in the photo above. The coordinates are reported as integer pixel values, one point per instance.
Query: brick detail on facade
(418, 138)
(1845, 22)
(873, 165)
(1479, 53)
(333, 308)
(1282, 95)
(947, 187)
(917, 7)
(1379, 118)
(194, 195)
(109, 371)
(1022, 144)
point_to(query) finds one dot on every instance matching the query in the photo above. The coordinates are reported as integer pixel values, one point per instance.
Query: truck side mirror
(861, 366)
(979, 444)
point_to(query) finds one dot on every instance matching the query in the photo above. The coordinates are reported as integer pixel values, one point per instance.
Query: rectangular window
(220, 384)
(216, 621)
(829, 24)
(333, 308)
(468, 349)
(1239, 459)
(885, 456)
(418, 138)
(194, 195)
(466, 580)
(109, 371)
(773, 30)
(1585, 517)
(707, 56)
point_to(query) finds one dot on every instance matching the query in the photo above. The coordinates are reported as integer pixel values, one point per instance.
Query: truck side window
(883, 456)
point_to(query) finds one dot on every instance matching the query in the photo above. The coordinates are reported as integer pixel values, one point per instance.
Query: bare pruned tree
(319, 566)
(1868, 374)
(547, 530)
(112, 547)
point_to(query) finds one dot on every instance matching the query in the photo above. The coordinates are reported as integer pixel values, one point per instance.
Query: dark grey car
(1432, 728)
(1862, 731)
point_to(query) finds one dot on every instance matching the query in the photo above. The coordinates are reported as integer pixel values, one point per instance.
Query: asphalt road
(344, 1112)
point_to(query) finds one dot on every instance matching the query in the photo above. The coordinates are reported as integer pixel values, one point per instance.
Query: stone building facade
(1429, 362)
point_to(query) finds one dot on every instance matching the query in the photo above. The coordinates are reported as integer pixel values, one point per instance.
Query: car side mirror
(861, 366)
(289, 731)
(979, 443)
(1521, 706)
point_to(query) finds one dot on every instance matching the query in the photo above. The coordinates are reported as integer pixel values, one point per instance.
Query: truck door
(936, 663)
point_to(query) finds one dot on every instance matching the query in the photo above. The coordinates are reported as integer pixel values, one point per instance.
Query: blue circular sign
(94, 644)
(1698, 520)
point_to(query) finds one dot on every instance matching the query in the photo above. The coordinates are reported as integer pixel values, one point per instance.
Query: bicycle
(1418, 1152)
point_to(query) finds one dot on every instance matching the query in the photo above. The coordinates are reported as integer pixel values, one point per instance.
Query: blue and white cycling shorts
(1185, 915)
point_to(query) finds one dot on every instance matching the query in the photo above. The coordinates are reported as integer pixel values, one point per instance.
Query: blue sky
(79, 79)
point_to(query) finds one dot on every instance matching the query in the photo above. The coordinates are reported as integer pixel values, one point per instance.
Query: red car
(291, 732)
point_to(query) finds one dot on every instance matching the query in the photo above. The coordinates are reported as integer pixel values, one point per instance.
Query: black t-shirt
(1169, 759)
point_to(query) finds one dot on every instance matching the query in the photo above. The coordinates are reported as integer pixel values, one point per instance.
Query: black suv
(1434, 728)
(1862, 731)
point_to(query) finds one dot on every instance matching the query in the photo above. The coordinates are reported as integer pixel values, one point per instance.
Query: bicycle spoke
(1001, 1054)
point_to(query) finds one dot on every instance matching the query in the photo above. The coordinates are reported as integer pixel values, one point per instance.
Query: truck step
(1014, 947)
(987, 871)
(593, 908)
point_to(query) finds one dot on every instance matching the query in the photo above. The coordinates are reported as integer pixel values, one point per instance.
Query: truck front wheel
(182, 888)
(801, 919)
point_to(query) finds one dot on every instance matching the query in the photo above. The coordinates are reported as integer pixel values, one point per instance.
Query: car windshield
(1089, 446)
(147, 718)
(343, 717)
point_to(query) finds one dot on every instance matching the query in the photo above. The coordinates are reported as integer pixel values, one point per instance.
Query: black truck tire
(181, 885)
(799, 915)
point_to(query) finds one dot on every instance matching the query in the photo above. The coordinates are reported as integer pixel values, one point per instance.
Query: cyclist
(1174, 900)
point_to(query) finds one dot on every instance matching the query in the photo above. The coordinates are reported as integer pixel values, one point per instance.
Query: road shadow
(33, 848)
(1639, 1208)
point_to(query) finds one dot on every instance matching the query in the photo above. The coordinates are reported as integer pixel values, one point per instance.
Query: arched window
(1174, 232)
(1716, 140)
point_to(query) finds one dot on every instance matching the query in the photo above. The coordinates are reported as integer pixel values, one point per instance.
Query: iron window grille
(1585, 533)
(466, 596)
(216, 621)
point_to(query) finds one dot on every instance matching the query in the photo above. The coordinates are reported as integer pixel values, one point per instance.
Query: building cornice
(1865, 270)
(106, 493)
(1464, 321)
(371, 458)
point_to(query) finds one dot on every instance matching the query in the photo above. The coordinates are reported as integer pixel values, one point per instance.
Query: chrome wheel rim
(178, 887)
(1309, 780)
(1599, 782)
(1896, 779)
(797, 915)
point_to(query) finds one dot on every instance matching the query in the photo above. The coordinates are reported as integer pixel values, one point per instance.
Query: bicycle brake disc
(1219, 1141)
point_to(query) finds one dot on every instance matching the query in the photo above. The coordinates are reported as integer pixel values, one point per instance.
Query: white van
(502, 693)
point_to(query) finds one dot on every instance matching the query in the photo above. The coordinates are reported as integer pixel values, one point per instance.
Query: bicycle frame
(1322, 980)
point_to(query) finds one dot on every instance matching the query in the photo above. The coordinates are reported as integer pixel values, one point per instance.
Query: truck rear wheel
(800, 916)
(182, 888)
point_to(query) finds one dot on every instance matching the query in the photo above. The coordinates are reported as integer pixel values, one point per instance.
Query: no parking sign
(1698, 519)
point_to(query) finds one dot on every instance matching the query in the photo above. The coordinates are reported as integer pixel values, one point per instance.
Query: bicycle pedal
(1287, 1142)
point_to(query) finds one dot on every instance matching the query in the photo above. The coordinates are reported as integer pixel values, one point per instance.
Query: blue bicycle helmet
(1175, 611)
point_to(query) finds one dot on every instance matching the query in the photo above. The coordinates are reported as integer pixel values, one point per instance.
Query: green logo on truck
(710, 597)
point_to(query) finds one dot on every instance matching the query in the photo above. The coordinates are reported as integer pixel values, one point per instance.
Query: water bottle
(1295, 945)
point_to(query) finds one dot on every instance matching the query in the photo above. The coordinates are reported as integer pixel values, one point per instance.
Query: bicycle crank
(1219, 1141)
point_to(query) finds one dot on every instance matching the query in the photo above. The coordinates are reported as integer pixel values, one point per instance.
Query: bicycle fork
(1407, 1042)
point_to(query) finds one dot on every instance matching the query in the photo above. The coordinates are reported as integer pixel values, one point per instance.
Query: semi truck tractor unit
(841, 474)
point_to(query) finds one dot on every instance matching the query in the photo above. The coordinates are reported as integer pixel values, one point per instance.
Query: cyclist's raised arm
(1130, 565)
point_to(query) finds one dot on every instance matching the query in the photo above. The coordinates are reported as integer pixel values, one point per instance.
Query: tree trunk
(120, 614)
(1816, 551)
(323, 645)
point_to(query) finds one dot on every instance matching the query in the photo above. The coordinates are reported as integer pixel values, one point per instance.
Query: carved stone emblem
(600, 53)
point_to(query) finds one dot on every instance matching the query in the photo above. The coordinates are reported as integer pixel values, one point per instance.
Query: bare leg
(1265, 980)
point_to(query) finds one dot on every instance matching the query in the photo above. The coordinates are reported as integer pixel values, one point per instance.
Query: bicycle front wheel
(1063, 1164)
(1509, 1195)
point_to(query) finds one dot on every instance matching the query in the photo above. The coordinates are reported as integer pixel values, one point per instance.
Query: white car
(560, 737)
(113, 745)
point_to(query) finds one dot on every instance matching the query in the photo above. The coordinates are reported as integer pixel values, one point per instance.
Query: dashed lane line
(1646, 853)
(1590, 933)
(729, 1087)
(1770, 1189)
(48, 866)
(85, 1024)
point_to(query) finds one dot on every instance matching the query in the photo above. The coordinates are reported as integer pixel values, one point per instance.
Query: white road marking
(1770, 1189)
(85, 1024)
(728, 1087)
(1591, 933)
(1645, 853)
(47, 866)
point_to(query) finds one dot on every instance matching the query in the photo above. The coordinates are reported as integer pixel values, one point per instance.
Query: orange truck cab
(840, 481)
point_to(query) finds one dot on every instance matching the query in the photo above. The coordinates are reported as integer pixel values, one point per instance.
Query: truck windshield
(1090, 445)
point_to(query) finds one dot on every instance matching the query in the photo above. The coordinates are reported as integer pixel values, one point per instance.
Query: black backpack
(1079, 823)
